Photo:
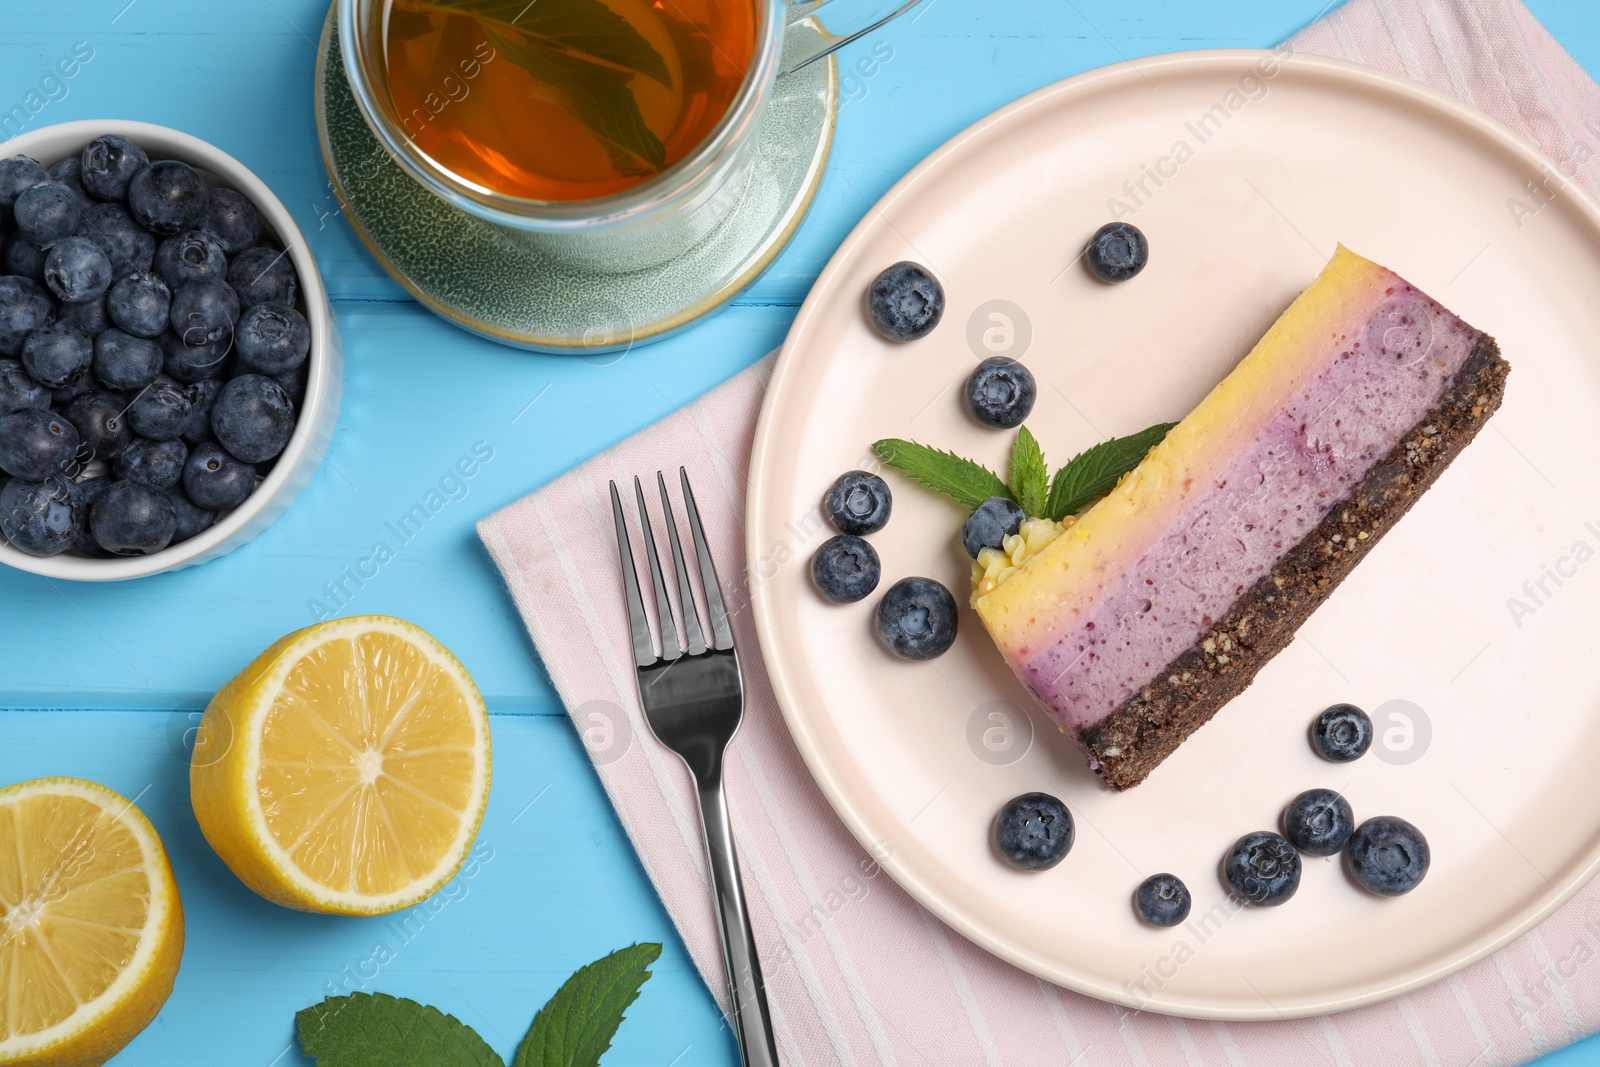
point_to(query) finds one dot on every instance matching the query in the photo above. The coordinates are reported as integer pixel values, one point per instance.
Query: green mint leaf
(968, 483)
(377, 1030)
(585, 28)
(1030, 478)
(1094, 472)
(576, 1027)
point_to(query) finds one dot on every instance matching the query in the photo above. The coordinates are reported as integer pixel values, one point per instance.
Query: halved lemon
(346, 769)
(91, 930)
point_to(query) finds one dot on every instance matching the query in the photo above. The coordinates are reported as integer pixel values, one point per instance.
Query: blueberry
(1117, 252)
(202, 397)
(161, 410)
(35, 444)
(1342, 733)
(191, 256)
(109, 164)
(58, 355)
(17, 175)
(47, 213)
(77, 270)
(90, 487)
(61, 396)
(845, 569)
(69, 172)
(1318, 822)
(24, 258)
(858, 503)
(42, 518)
(192, 519)
(216, 480)
(1033, 832)
(263, 276)
(1001, 392)
(273, 339)
(905, 302)
(232, 219)
(294, 383)
(167, 197)
(127, 245)
(204, 311)
(990, 524)
(87, 315)
(1263, 869)
(916, 618)
(123, 361)
(1387, 856)
(25, 305)
(18, 390)
(101, 420)
(253, 418)
(1162, 900)
(157, 463)
(140, 303)
(129, 519)
(193, 363)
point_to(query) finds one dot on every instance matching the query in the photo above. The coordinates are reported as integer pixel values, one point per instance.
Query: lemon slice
(91, 929)
(346, 769)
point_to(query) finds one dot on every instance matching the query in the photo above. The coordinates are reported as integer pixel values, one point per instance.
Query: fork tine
(720, 630)
(644, 649)
(671, 647)
(691, 614)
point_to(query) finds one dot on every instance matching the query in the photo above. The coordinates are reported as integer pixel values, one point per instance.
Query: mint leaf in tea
(564, 99)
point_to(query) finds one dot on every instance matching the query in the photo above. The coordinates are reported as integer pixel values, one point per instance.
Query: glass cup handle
(807, 40)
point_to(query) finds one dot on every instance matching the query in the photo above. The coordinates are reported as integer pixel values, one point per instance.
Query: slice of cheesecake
(1159, 604)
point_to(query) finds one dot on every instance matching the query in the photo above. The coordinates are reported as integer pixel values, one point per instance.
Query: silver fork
(693, 699)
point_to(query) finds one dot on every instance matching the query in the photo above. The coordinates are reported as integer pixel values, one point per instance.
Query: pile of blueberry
(916, 619)
(1385, 855)
(152, 360)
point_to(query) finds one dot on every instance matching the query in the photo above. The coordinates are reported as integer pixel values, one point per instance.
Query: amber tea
(564, 99)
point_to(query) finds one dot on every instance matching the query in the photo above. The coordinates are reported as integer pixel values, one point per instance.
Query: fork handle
(752, 1022)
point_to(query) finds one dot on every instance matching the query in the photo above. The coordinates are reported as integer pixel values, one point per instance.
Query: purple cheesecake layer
(1389, 373)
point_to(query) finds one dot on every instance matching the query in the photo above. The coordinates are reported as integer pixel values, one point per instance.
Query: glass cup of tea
(615, 134)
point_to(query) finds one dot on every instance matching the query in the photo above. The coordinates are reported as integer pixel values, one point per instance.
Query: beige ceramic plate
(1243, 184)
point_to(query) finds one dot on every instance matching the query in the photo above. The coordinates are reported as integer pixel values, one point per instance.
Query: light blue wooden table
(102, 681)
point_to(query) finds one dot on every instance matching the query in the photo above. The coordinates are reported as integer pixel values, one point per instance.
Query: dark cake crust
(1128, 743)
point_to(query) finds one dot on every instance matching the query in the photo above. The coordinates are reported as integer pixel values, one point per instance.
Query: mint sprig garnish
(1095, 471)
(1085, 478)
(1030, 478)
(573, 1030)
(966, 482)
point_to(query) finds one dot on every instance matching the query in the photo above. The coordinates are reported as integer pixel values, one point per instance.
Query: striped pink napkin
(857, 972)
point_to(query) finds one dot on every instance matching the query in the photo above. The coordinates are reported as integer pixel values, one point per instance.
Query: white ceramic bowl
(317, 413)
